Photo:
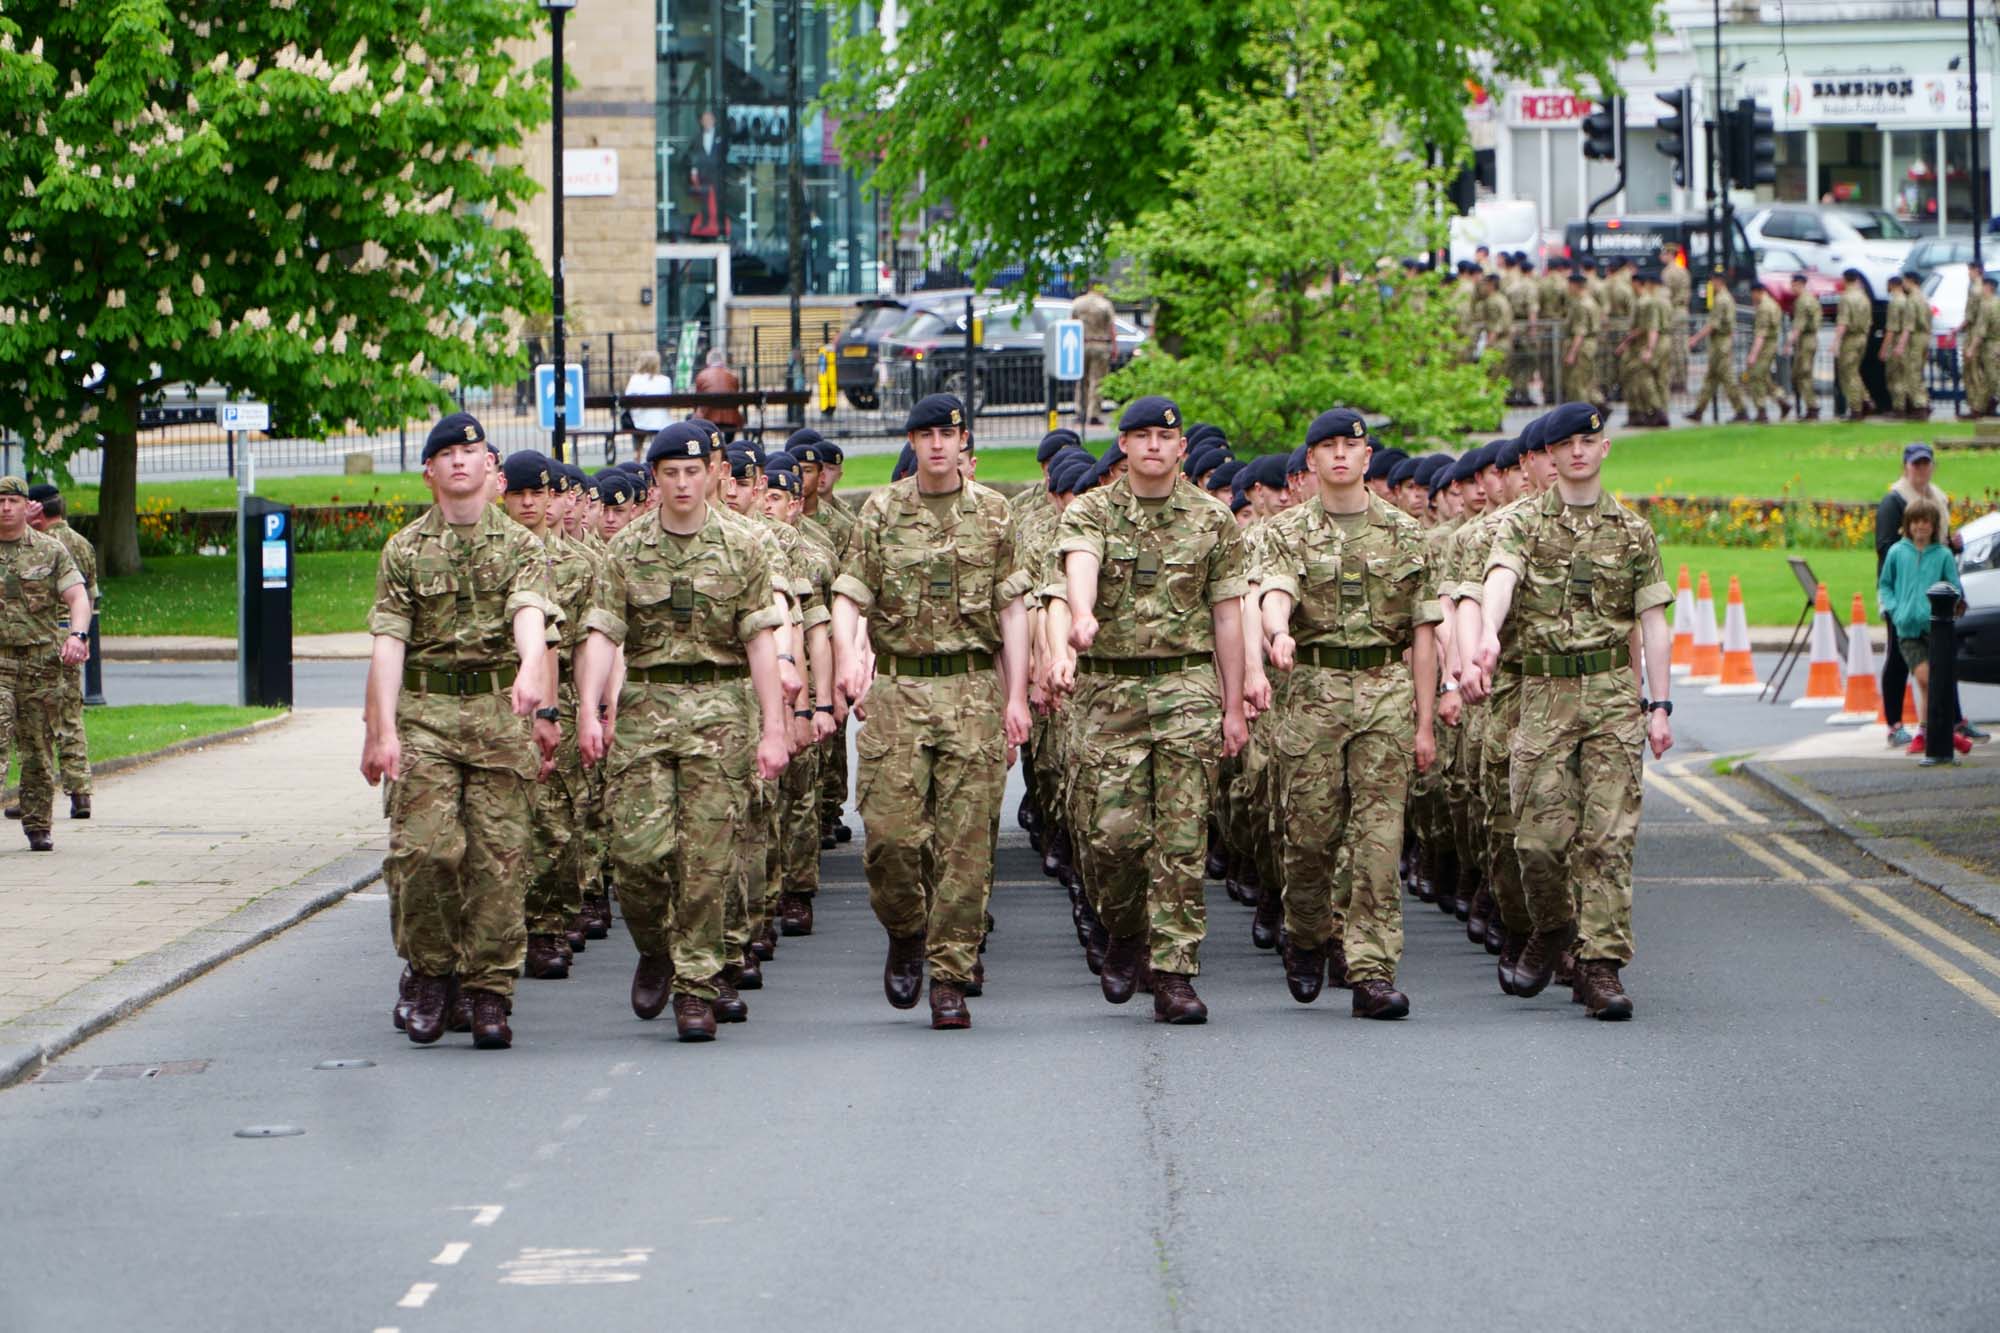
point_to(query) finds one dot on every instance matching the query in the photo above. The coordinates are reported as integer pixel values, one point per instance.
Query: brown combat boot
(976, 987)
(596, 916)
(430, 997)
(406, 994)
(1510, 960)
(765, 942)
(1119, 976)
(727, 1004)
(489, 1021)
(1336, 963)
(1763, 417)
(795, 914)
(79, 805)
(903, 973)
(1174, 1000)
(1305, 972)
(1603, 994)
(458, 1018)
(1269, 916)
(1482, 912)
(1538, 959)
(39, 840)
(545, 958)
(1376, 998)
(694, 1020)
(948, 1010)
(651, 981)
(750, 971)
(1095, 945)
(1784, 408)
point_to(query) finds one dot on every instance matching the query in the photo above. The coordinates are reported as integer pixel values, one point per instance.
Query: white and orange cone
(1683, 658)
(1739, 671)
(1706, 666)
(1863, 703)
(1823, 683)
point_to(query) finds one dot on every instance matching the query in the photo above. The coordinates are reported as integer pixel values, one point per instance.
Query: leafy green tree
(1037, 125)
(293, 200)
(1273, 267)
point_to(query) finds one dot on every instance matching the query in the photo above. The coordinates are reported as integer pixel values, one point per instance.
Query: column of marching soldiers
(1334, 679)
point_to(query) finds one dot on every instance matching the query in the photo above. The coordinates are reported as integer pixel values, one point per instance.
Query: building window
(1850, 166)
(1913, 178)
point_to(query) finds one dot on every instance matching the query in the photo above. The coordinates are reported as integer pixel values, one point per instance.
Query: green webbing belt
(426, 681)
(1345, 659)
(938, 664)
(1575, 664)
(1141, 666)
(694, 673)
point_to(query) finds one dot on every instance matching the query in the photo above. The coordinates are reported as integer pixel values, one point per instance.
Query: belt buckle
(934, 664)
(1580, 663)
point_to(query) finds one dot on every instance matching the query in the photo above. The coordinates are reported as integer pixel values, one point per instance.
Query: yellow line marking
(1708, 788)
(1672, 789)
(1884, 902)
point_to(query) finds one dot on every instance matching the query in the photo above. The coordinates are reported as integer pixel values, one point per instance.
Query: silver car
(1833, 238)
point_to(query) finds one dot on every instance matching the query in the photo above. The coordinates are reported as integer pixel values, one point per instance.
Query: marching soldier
(43, 585)
(1896, 331)
(1677, 287)
(72, 746)
(1916, 349)
(1852, 321)
(1640, 358)
(1765, 329)
(1720, 335)
(1972, 366)
(1524, 303)
(1804, 349)
(460, 623)
(1583, 327)
(1496, 326)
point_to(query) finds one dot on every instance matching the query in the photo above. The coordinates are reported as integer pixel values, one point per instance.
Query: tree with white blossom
(292, 200)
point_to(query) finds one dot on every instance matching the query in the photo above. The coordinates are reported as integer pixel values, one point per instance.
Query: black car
(926, 352)
(854, 352)
(1639, 237)
(1978, 630)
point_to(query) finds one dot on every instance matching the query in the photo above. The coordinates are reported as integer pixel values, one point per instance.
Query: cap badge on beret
(1594, 424)
(472, 435)
(1360, 431)
(954, 416)
(1168, 414)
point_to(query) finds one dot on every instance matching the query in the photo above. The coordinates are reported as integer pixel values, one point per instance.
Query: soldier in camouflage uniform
(1496, 326)
(1345, 591)
(1524, 301)
(1804, 349)
(1916, 350)
(461, 619)
(1582, 331)
(1581, 571)
(1677, 288)
(43, 586)
(1896, 331)
(1853, 320)
(1642, 357)
(1720, 335)
(690, 600)
(1162, 675)
(833, 785)
(931, 565)
(1978, 391)
(1766, 326)
(1989, 338)
(72, 746)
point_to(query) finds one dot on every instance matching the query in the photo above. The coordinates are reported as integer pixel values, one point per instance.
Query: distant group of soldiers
(1305, 673)
(50, 576)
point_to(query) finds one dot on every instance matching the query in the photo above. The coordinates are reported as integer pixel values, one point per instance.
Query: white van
(1498, 224)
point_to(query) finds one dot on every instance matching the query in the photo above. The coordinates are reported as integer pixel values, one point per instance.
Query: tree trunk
(118, 490)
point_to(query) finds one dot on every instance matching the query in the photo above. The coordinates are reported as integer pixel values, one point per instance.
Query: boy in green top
(1912, 566)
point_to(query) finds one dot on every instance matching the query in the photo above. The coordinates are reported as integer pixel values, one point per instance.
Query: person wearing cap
(1898, 335)
(1677, 288)
(44, 588)
(456, 680)
(1346, 593)
(617, 501)
(1381, 463)
(1915, 348)
(46, 515)
(932, 573)
(1580, 571)
(1852, 321)
(1582, 336)
(1033, 512)
(1720, 335)
(575, 517)
(1043, 758)
(681, 632)
(1154, 573)
(815, 515)
(555, 910)
(1640, 356)
(1494, 327)
(1803, 348)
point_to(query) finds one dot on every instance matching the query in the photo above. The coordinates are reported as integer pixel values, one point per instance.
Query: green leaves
(296, 202)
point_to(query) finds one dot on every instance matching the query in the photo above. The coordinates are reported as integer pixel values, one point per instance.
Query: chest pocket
(975, 582)
(905, 580)
(434, 598)
(1611, 582)
(1545, 584)
(33, 588)
(1118, 575)
(1393, 580)
(1320, 591)
(1182, 573)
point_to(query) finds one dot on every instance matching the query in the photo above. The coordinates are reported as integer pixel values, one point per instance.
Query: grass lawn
(1818, 461)
(220, 492)
(1771, 596)
(114, 732)
(196, 594)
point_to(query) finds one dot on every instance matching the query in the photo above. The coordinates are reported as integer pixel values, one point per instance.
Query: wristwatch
(83, 634)
(822, 708)
(1451, 687)
(549, 714)
(805, 713)
(787, 657)
(1657, 706)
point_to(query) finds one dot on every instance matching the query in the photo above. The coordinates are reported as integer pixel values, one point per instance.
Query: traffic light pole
(1618, 128)
(1978, 195)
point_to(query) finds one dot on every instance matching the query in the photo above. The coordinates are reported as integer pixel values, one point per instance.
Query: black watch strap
(549, 714)
(1660, 706)
(822, 708)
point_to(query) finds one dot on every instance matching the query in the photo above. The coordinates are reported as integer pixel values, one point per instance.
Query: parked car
(1640, 237)
(1978, 630)
(928, 347)
(1836, 237)
(1775, 266)
(1936, 252)
(854, 352)
(1946, 289)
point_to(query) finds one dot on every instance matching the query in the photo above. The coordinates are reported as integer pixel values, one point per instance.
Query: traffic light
(1753, 155)
(1601, 130)
(1674, 137)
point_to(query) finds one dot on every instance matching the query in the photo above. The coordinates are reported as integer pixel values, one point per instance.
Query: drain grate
(99, 1073)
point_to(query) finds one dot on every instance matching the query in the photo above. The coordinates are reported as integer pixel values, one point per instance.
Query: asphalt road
(1795, 1132)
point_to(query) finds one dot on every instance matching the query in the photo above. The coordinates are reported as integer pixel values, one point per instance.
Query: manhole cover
(268, 1131)
(345, 1064)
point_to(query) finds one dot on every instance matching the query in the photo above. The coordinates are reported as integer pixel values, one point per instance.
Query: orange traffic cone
(1823, 684)
(1683, 657)
(1706, 666)
(1739, 672)
(1864, 695)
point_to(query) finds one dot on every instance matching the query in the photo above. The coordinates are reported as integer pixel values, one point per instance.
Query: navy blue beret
(1571, 419)
(939, 409)
(458, 428)
(1054, 443)
(1150, 411)
(1340, 422)
(780, 480)
(683, 439)
(528, 470)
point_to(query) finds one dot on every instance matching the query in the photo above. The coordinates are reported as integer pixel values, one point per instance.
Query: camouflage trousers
(1580, 379)
(798, 823)
(1575, 792)
(932, 773)
(460, 849)
(1847, 369)
(1804, 385)
(72, 746)
(1460, 782)
(1503, 866)
(1150, 751)
(1720, 379)
(1758, 385)
(1343, 776)
(561, 806)
(678, 808)
(833, 777)
(756, 863)
(30, 704)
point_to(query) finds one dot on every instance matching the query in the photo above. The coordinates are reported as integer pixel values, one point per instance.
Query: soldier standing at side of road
(1766, 327)
(1895, 333)
(1852, 321)
(1161, 679)
(1978, 392)
(46, 516)
(1641, 355)
(1580, 571)
(460, 622)
(1496, 327)
(1720, 335)
(1677, 287)
(1100, 340)
(1346, 591)
(1916, 350)
(42, 585)
(931, 565)
(1583, 328)
(1804, 349)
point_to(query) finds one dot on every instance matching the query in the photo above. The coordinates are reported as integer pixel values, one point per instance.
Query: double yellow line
(1832, 885)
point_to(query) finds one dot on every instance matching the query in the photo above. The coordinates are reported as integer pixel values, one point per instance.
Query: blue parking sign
(545, 396)
(1062, 352)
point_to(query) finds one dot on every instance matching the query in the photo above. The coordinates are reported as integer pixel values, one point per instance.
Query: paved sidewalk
(201, 648)
(186, 862)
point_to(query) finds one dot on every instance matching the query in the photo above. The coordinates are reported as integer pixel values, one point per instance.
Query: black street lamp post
(558, 10)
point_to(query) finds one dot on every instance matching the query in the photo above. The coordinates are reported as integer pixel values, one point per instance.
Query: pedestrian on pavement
(648, 382)
(1720, 335)
(683, 617)
(1154, 574)
(43, 587)
(1346, 594)
(461, 620)
(1803, 348)
(715, 376)
(46, 515)
(1919, 463)
(1581, 571)
(931, 570)
(1853, 319)
(1916, 562)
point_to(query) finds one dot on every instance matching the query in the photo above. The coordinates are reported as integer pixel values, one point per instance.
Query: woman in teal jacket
(1913, 565)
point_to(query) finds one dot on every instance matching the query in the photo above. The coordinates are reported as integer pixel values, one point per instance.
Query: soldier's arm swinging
(595, 657)
(77, 599)
(1497, 597)
(1659, 675)
(1468, 629)
(1276, 608)
(1080, 575)
(819, 652)
(1014, 669)
(772, 751)
(1424, 675)
(1227, 619)
(1256, 682)
(1062, 658)
(382, 752)
(849, 666)
(531, 631)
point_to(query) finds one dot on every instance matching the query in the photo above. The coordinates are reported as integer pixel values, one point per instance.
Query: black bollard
(93, 669)
(1940, 718)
